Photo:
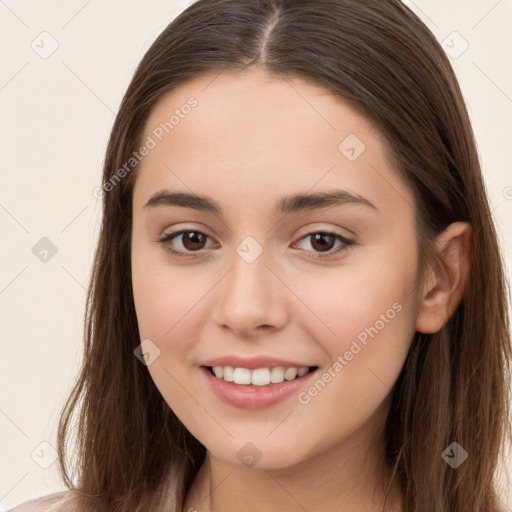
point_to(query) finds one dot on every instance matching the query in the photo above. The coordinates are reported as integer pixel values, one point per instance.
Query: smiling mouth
(260, 376)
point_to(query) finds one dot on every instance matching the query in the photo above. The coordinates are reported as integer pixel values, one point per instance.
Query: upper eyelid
(305, 231)
(301, 232)
(310, 232)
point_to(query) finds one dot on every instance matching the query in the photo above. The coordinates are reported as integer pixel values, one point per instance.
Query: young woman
(298, 300)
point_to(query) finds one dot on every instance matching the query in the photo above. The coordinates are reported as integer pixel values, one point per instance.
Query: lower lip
(254, 397)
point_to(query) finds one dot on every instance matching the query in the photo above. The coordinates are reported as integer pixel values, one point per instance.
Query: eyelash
(346, 243)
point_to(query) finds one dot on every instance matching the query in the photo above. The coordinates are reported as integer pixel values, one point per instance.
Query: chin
(259, 453)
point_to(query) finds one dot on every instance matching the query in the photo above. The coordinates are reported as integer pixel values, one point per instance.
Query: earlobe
(444, 288)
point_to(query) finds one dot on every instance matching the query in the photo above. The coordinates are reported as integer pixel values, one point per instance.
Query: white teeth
(242, 376)
(290, 373)
(277, 375)
(260, 376)
(228, 374)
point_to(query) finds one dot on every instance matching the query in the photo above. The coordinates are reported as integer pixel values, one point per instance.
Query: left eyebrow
(286, 205)
(318, 200)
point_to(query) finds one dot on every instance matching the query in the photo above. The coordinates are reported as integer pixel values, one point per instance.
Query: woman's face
(259, 284)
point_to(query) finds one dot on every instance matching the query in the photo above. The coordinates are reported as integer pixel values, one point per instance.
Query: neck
(350, 477)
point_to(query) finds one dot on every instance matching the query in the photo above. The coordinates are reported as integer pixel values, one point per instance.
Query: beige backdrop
(64, 68)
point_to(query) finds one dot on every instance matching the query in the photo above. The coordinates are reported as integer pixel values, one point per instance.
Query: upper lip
(252, 363)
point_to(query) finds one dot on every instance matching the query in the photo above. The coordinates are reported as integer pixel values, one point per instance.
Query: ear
(446, 282)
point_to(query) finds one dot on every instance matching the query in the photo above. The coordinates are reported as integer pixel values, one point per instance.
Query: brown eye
(322, 244)
(193, 240)
(184, 243)
(322, 241)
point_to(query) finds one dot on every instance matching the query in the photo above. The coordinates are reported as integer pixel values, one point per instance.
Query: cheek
(372, 316)
(167, 304)
(347, 300)
(163, 300)
(364, 317)
(160, 292)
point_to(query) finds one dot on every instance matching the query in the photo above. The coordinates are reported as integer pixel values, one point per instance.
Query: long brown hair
(454, 386)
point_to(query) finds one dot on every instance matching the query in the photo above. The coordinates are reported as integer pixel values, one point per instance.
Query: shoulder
(64, 501)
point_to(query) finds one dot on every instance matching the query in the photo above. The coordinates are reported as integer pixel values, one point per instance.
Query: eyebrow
(286, 205)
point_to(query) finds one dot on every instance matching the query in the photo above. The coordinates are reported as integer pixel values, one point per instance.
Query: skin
(252, 139)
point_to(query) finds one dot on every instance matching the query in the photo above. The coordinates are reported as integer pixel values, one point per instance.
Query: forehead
(260, 104)
(251, 133)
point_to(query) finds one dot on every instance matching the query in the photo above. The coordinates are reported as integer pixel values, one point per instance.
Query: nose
(252, 298)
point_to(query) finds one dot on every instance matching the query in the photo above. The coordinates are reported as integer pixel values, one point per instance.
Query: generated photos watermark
(305, 397)
(151, 142)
